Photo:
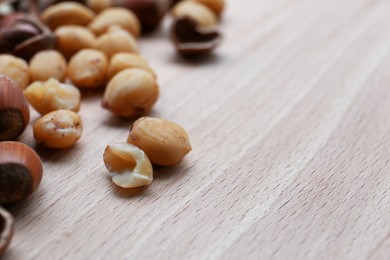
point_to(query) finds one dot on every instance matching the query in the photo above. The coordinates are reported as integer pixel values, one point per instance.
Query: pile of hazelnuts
(50, 49)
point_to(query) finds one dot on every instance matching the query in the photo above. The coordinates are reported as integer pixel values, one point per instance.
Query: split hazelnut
(149, 12)
(192, 40)
(131, 93)
(14, 110)
(7, 227)
(20, 172)
(64, 13)
(115, 16)
(52, 95)
(164, 142)
(129, 166)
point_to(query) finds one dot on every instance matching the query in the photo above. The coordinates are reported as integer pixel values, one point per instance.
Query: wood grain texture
(290, 132)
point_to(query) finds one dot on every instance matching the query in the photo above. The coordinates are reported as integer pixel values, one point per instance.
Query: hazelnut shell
(20, 172)
(6, 229)
(14, 110)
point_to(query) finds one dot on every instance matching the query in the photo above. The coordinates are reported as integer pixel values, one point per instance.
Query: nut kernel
(16, 69)
(198, 12)
(73, 38)
(99, 5)
(116, 16)
(131, 93)
(216, 6)
(52, 95)
(66, 13)
(58, 129)
(130, 167)
(164, 142)
(47, 64)
(87, 68)
(115, 41)
(122, 61)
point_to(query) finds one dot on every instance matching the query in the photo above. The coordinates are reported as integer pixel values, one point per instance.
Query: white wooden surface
(290, 129)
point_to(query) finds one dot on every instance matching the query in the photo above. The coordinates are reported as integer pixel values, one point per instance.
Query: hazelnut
(164, 142)
(129, 165)
(116, 16)
(216, 6)
(198, 12)
(99, 5)
(66, 13)
(23, 35)
(116, 40)
(14, 110)
(131, 93)
(52, 95)
(58, 129)
(47, 64)
(122, 61)
(149, 12)
(16, 69)
(20, 172)
(73, 38)
(87, 68)
(7, 227)
(193, 41)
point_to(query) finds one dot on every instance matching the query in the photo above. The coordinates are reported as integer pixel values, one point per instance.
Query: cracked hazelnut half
(192, 40)
(20, 172)
(14, 110)
(6, 229)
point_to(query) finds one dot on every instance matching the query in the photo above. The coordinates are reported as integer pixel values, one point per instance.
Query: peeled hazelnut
(99, 5)
(131, 93)
(216, 6)
(164, 142)
(23, 35)
(47, 64)
(87, 68)
(149, 12)
(192, 40)
(115, 41)
(116, 16)
(14, 110)
(198, 12)
(20, 172)
(65, 13)
(58, 129)
(16, 69)
(129, 165)
(7, 227)
(73, 38)
(52, 95)
(122, 61)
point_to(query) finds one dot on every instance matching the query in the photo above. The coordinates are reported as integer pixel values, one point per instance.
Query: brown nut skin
(131, 93)
(20, 172)
(73, 38)
(164, 142)
(193, 41)
(14, 110)
(198, 12)
(47, 64)
(87, 68)
(23, 35)
(149, 12)
(7, 228)
(65, 13)
(116, 16)
(216, 6)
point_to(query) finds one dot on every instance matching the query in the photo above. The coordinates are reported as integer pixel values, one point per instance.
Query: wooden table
(290, 127)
